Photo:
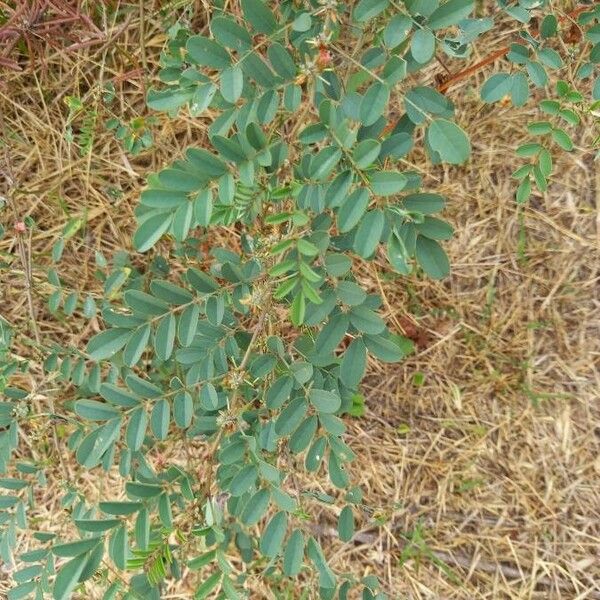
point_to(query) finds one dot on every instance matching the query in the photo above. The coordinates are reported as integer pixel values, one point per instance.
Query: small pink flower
(20, 227)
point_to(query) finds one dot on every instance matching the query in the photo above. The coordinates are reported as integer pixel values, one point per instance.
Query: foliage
(251, 355)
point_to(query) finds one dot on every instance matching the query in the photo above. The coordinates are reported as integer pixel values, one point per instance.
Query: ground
(481, 451)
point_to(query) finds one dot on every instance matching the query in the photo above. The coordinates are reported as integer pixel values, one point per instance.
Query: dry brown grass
(494, 458)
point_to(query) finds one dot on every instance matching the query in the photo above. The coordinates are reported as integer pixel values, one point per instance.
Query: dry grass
(486, 474)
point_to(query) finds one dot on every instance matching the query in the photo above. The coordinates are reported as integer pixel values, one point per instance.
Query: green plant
(250, 355)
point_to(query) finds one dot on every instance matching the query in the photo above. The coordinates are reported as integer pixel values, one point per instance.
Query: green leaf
(118, 547)
(282, 61)
(449, 141)
(179, 180)
(332, 334)
(424, 203)
(593, 34)
(255, 508)
(421, 100)
(326, 576)
(385, 348)
(107, 343)
(91, 449)
(203, 208)
(150, 231)
(203, 96)
(307, 248)
(209, 398)
(397, 30)
(164, 337)
(388, 183)
(432, 258)
(298, 309)
(160, 419)
(366, 10)
(291, 416)
(496, 87)
(279, 392)
(182, 221)
(537, 73)
(169, 99)
(77, 548)
(207, 52)
(523, 191)
(549, 27)
(142, 529)
(142, 490)
(232, 83)
(120, 509)
(11, 483)
(292, 97)
(8, 501)
(272, 537)
(365, 153)
(202, 560)
(68, 577)
(205, 588)
(369, 233)
(373, 103)
(352, 210)
(315, 454)
(259, 16)
(519, 91)
(323, 163)
(595, 54)
(353, 363)
(366, 321)
(256, 68)
(227, 32)
(21, 591)
(422, 45)
(562, 138)
(302, 371)
(337, 265)
(207, 164)
(136, 345)
(188, 324)
(435, 229)
(346, 524)
(338, 189)
(136, 428)
(303, 436)
(183, 409)
(164, 511)
(145, 304)
(201, 282)
(294, 554)
(95, 410)
(450, 13)
(350, 293)
(243, 480)
(527, 150)
(325, 401)
(550, 57)
(96, 525)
